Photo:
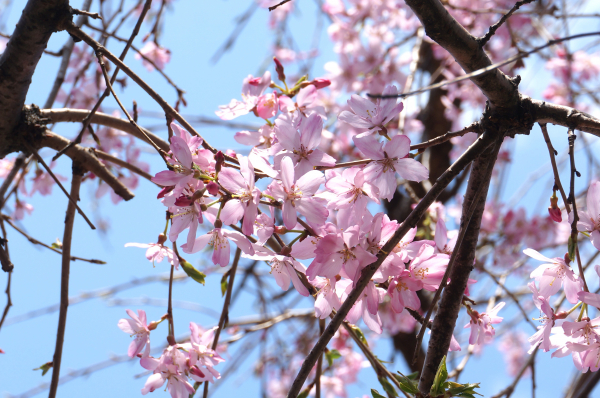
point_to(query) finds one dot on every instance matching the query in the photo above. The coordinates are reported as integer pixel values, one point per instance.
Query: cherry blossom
(553, 269)
(589, 220)
(136, 326)
(155, 53)
(481, 324)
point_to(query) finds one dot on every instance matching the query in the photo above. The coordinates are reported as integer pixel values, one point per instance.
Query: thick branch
(39, 20)
(447, 313)
(411, 221)
(448, 33)
(86, 157)
(561, 115)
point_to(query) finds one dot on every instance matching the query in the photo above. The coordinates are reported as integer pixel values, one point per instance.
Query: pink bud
(555, 214)
(183, 201)
(320, 82)
(279, 69)
(280, 229)
(164, 191)
(255, 81)
(230, 152)
(212, 188)
(219, 159)
(196, 371)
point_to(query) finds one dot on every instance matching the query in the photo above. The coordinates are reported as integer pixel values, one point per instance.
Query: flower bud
(279, 69)
(196, 371)
(321, 83)
(213, 188)
(162, 238)
(153, 325)
(255, 81)
(220, 159)
(554, 210)
(183, 201)
(164, 191)
(280, 229)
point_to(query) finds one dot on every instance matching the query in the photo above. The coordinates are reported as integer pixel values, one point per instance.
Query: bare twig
(71, 199)
(225, 312)
(64, 279)
(278, 5)
(37, 242)
(552, 153)
(483, 40)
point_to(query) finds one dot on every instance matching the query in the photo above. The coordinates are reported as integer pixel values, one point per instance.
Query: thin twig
(64, 278)
(71, 200)
(126, 165)
(573, 201)
(481, 71)
(87, 121)
(10, 177)
(225, 312)
(278, 5)
(8, 283)
(37, 242)
(319, 363)
(552, 153)
(483, 40)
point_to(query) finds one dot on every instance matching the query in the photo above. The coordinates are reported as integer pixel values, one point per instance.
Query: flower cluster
(178, 363)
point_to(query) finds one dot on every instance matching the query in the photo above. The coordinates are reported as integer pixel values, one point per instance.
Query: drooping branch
(64, 279)
(483, 142)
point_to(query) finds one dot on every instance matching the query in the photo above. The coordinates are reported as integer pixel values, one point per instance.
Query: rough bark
(39, 20)
(447, 313)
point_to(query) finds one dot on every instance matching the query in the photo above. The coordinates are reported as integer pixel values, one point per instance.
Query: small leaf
(330, 355)
(439, 382)
(45, 367)
(304, 393)
(388, 387)
(407, 385)
(462, 390)
(360, 334)
(224, 283)
(376, 393)
(193, 272)
(413, 376)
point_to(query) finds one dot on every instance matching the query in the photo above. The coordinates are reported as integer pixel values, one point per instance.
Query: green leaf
(439, 382)
(571, 248)
(193, 272)
(224, 283)
(387, 386)
(360, 334)
(462, 390)
(406, 384)
(45, 367)
(304, 393)
(330, 355)
(376, 393)
(413, 376)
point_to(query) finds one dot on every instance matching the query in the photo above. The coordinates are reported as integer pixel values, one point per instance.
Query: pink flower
(157, 252)
(297, 195)
(553, 269)
(136, 326)
(202, 357)
(252, 89)
(283, 268)
(337, 250)
(327, 299)
(302, 146)
(304, 105)
(429, 268)
(403, 292)
(20, 208)
(366, 307)
(389, 160)
(542, 336)
(369, 115)
(481, 324)
(267, 106)
(219, 240)
(589, 220)
(246, 196)
(170, 367)
(351, 193)
(157, 54)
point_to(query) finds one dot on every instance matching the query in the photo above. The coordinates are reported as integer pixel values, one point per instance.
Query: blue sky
(193, 32)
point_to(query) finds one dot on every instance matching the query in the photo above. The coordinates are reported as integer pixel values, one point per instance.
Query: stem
(225, 312)
(64, 278)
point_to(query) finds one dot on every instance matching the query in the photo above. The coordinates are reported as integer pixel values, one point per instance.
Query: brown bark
(39, 20)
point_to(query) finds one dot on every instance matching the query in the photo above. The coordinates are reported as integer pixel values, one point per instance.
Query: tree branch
(367, 273)
(64, 279)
